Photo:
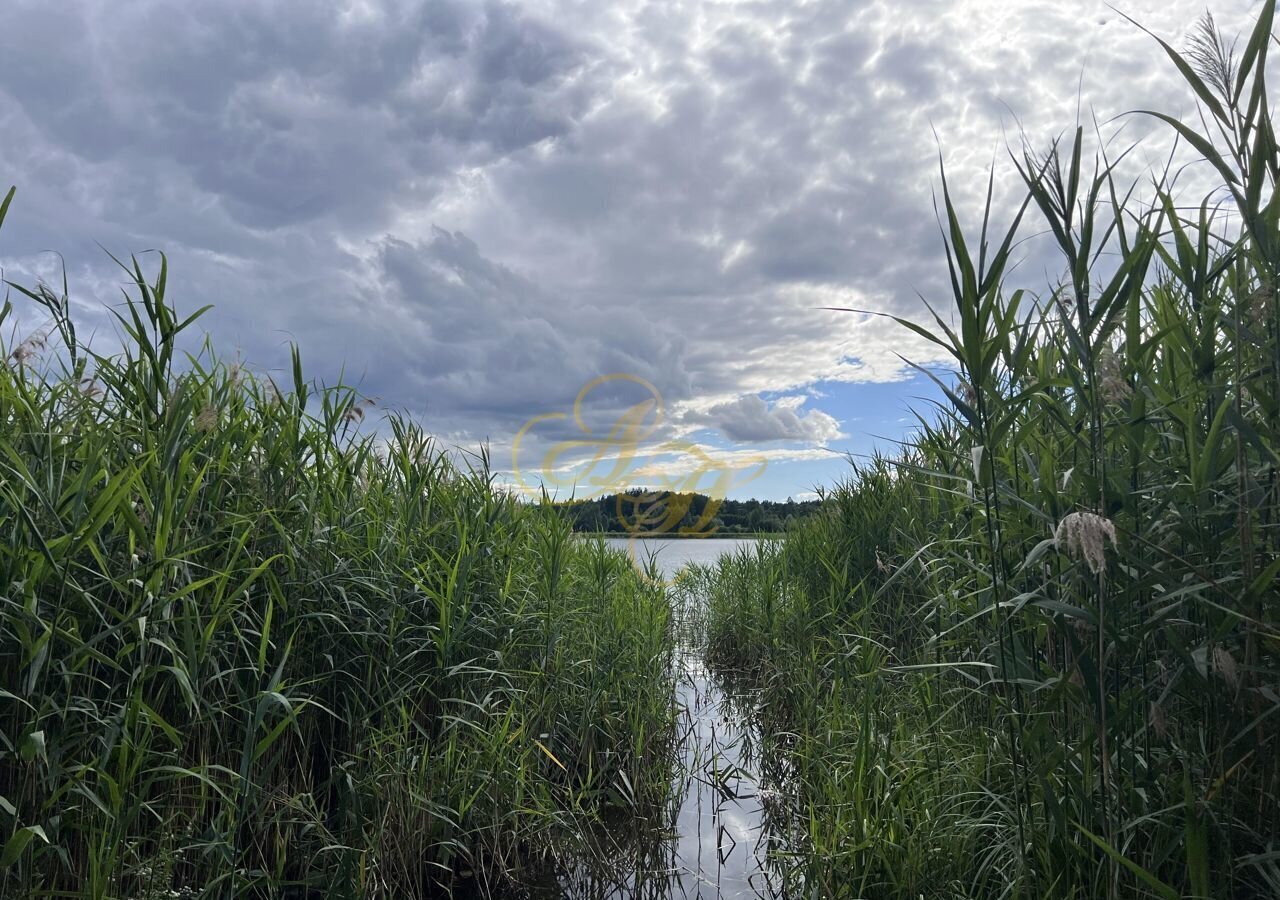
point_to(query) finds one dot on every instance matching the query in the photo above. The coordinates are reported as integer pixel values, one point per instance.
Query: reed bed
(1037, 653)
(247, 649)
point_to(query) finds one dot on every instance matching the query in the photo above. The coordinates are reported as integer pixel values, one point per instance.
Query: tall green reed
(1036, 654)
(248, 648)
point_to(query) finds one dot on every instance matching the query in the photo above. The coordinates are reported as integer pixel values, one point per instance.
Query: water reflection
(718, 835)
(713, 838)
(722, 848)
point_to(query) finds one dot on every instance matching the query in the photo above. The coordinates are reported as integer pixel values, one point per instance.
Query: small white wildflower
(1083, 535)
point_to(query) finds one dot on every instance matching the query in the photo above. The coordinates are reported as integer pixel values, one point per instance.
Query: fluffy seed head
(1257, 303)
(29, 349)
(207, 418)
(1084, 630)
(1225, 665)
(1112, 384)
(1084, 535)
(355, 413)
(1156, 718)
(1065, 302)
(882, 563)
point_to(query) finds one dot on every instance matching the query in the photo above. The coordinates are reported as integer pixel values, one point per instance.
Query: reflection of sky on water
(719, 847)
(673, 554)
(719, 851)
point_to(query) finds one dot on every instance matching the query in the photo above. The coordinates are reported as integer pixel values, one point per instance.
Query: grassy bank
(246, 651)
(1037, 654)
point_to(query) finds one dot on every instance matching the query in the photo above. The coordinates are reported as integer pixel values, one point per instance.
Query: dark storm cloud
(475, 208)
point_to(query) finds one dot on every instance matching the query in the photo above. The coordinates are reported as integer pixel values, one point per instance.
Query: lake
(673, 554)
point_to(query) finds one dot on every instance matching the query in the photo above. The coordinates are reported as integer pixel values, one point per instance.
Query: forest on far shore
(673, 512)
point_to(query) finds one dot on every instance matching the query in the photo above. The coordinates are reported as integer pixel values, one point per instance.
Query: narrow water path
(714, 845)
(712, 841)
(719, 834)
(721, 843)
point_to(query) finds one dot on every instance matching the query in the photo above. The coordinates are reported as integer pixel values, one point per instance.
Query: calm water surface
(720, 839)
(673, 554)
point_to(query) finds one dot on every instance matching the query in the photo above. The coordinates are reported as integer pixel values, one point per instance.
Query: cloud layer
(475, 208)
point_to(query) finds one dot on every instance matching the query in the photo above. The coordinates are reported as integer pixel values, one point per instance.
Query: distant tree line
(673, 512)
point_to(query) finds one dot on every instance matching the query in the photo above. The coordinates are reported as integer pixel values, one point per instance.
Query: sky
(484, 213)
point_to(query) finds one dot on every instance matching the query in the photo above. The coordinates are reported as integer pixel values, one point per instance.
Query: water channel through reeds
(718, 841)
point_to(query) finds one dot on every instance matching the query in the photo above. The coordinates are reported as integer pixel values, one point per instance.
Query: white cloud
(473, 208)
(750, 419)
